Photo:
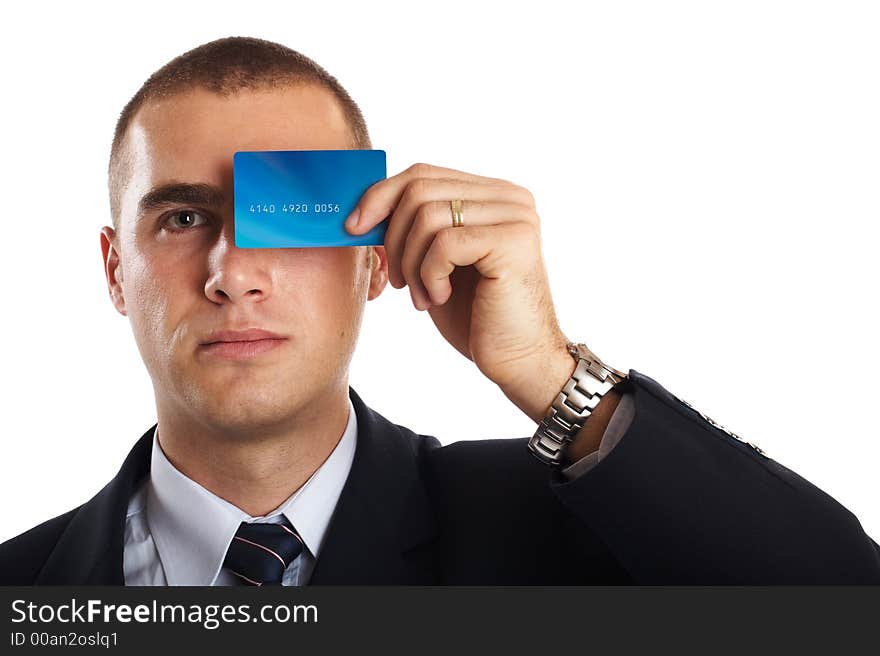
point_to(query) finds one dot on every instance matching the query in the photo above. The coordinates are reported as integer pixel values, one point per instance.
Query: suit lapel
(383, 514)
(89, 551)
(381, 518)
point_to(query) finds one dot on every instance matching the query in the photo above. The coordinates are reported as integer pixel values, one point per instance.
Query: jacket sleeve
(680, 500)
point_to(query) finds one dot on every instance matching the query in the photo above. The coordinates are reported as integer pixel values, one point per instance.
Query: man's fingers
(405, 260)
(381, 198)
(493, 249)
(430, 199)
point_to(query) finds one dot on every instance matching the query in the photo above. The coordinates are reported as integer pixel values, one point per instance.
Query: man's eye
(183, 219)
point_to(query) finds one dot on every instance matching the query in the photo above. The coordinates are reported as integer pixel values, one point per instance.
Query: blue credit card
(301, 198)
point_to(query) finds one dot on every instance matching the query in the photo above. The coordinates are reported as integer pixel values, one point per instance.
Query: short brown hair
(225, 66)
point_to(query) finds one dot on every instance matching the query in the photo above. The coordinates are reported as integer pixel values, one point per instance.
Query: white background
(706, 175)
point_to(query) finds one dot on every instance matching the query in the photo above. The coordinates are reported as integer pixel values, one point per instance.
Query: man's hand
(484, 283)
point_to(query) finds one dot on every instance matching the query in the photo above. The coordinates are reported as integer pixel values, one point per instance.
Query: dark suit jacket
(677, 501)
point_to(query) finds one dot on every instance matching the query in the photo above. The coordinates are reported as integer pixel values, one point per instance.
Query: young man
(265, 467)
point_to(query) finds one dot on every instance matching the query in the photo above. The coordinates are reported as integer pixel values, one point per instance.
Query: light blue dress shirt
(177, 532)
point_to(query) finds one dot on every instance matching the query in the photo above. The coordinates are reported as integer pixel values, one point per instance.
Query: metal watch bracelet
(590, 381)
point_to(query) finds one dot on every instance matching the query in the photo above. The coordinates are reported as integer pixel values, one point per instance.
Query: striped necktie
(259, 553)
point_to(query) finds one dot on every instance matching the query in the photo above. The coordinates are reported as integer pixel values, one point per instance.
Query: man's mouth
(246, 335)
(240, 344)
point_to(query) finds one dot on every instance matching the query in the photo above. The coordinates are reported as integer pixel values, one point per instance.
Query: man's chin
(241, 402)
(245, 416)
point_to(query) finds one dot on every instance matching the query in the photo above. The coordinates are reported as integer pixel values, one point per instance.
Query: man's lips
(249, 335)
(240, 344)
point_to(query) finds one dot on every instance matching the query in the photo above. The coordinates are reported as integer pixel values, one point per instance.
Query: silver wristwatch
(590, 381)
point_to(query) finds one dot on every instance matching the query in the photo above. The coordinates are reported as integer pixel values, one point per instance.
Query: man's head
(170, 259)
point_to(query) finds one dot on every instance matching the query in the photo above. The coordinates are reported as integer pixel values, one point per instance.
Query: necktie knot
(259, 553)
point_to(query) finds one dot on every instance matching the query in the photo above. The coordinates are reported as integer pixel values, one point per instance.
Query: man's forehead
(198, 122)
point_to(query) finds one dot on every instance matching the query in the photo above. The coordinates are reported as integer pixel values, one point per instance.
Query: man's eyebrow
(180, 193)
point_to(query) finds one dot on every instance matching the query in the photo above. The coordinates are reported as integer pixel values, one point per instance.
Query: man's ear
(113, 268)
(378, 270)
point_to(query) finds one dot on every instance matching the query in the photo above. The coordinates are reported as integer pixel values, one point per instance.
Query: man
(265, 467)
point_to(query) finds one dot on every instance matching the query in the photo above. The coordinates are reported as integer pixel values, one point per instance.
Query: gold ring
(457, 220)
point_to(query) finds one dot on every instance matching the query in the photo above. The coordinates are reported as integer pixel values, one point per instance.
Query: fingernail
(352, 220)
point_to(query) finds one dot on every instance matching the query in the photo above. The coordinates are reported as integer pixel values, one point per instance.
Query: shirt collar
(192, 527)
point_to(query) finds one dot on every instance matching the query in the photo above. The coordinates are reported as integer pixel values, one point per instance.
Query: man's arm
(677, 500)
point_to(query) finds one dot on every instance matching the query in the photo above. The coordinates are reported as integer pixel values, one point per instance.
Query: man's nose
(236, 275)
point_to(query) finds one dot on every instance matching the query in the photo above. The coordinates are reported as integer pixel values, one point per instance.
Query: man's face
(174, 270)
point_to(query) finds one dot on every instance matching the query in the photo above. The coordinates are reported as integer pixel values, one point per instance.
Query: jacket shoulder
(473, 471)
(490, 471)
(22, 557)
(501, 455)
